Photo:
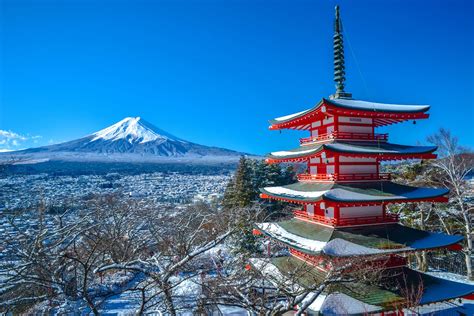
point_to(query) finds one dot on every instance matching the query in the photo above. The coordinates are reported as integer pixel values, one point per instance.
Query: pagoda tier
(337, 110)
(352, 194)
(315, 239)
(359, 298)
(342, 151)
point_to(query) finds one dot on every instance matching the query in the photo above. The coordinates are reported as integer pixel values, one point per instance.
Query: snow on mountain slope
(131, 139)
(133, 130)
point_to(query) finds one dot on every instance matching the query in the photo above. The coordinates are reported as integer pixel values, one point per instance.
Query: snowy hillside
(129, 140)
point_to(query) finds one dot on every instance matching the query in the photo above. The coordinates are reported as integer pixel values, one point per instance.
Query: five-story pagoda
(343, 197)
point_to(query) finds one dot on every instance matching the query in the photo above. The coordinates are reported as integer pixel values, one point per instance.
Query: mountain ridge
(132, 139)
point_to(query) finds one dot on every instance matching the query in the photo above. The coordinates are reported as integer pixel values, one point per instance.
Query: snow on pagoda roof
(276, 231)
(357, 105)
(313, 238)
(374, 106)
(356, 298)
(351, 147)
(378, 191)
(341, 304)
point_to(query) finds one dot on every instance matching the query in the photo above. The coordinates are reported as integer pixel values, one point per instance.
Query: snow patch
(341, 247)
(367, 105)
(284, 153)
(342, 304)
(290, 116)
(290, 192)
(292, 239)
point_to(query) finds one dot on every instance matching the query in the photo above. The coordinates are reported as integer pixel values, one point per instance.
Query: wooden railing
(390, 261)
(345, 136)
(315, 218)
(313, 260)
(316, 177)
(351, 221)
(344, 177)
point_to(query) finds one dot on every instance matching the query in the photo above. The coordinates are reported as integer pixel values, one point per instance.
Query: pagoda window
(330, 169)
(357, 160)
(356, 165)
(355, 120)
(330, 129)
(359, 125)
(328, 120)
(356, 129)
(327, 160)
(361, 211)
(310, 210)
(329, 212)
(355, 169)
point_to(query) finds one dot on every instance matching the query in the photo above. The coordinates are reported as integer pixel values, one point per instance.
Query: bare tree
(266, 289)
(53, 256)
(31, 267)
(177, 242)
(454, 164)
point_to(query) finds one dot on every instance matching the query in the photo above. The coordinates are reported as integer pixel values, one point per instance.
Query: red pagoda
(344, 197)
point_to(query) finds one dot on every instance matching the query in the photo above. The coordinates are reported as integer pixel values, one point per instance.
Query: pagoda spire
(339, 65)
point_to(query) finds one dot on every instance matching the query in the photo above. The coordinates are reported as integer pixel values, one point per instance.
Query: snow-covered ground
(19, 191)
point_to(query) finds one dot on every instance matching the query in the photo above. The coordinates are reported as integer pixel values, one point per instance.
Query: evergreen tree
(244, 193)
(251, 175)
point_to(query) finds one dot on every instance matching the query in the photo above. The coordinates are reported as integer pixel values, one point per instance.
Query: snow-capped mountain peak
(132, 139)
(133, 130)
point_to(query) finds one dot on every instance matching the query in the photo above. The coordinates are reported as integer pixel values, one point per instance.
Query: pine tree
(243, 190)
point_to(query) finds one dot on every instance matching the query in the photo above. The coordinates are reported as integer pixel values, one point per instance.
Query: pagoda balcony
(345, 177)
(392, 261)
(344, 136)
(350, 221)
(319, 261)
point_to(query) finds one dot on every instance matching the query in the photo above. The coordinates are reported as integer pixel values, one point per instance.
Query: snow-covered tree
(258, 286)
(54, 258)
(178, 251)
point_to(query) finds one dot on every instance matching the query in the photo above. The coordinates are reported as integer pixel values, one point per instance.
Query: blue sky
(214, 72)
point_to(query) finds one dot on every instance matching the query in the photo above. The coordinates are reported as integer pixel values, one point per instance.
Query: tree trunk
(424, 262)
(418, 260)
(468, 252)
(143, 302)
(169, 300)
(89, 300)
(468, 233)
(421, 258)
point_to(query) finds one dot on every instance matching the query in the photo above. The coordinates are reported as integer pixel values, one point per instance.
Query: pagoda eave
(439, 199)
(380, 157)
(338, 242)
(325, 108)
(315, 255)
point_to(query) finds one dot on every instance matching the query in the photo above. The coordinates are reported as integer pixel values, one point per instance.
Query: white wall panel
(346, 212)
(357, 169)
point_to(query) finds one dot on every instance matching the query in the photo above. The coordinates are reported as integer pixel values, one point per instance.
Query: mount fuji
(131, 140)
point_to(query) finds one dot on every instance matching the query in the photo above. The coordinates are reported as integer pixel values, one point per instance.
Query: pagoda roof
(361, 149)
(353, 193)
(356, 298)
(313, 238)
(393, 112)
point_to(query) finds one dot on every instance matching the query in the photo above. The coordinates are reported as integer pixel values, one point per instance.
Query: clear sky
(214, 72)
